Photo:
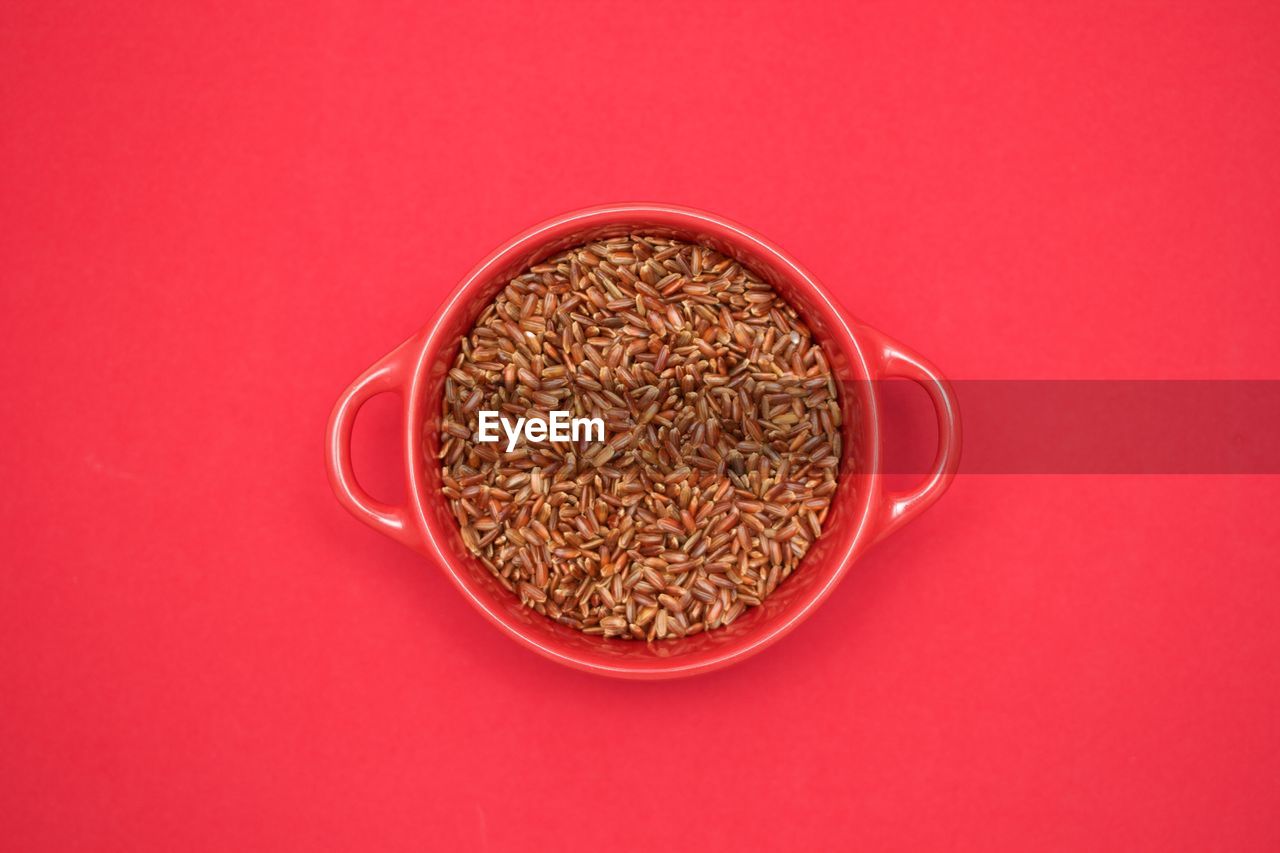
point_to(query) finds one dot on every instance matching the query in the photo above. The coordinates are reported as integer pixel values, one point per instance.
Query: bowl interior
(822, 566)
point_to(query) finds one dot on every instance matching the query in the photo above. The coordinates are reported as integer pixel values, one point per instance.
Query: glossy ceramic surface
(862, 512)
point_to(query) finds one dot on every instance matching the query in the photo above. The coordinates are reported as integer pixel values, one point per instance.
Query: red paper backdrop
(213, 216)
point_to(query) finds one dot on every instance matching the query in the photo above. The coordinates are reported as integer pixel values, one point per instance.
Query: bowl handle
(392, 372)
(898, 361)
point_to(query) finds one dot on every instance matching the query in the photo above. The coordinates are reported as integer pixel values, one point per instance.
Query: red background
(211, 220)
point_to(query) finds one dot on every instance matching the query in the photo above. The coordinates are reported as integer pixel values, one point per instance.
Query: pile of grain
(722, 439)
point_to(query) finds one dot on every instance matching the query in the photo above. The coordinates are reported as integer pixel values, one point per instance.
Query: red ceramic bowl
(862, 512)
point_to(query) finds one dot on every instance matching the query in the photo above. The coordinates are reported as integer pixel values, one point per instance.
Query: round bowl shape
(862, 511)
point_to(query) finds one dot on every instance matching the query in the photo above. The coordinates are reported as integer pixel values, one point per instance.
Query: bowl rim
(430, 342)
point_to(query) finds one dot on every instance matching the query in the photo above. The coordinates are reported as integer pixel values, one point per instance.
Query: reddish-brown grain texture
(721, 450)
